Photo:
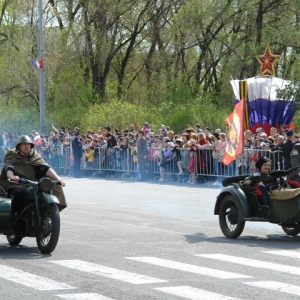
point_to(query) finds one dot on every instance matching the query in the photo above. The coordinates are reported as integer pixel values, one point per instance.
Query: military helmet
(24, 139)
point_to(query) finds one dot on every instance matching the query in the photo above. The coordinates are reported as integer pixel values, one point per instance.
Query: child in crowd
(90, 157)
(192, 165)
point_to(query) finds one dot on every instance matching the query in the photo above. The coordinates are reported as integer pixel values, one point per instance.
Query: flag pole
(41, 70)
(244, 122)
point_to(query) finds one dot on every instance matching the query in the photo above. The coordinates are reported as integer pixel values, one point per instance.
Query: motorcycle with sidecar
(38, 218)
(234, 207)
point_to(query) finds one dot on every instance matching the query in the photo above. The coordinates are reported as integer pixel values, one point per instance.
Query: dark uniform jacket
(142, 149)
(295, 160)
(77, 148)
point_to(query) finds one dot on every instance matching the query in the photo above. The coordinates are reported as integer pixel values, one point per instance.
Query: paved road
(140, 241)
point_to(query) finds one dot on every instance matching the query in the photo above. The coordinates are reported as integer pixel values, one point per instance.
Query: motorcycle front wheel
(229, 218)
(13, 239)
(47, 236)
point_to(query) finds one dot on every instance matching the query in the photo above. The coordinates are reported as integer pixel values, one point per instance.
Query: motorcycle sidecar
(235, 207)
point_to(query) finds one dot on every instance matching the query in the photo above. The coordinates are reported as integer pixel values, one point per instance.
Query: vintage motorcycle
(234, 207)
(39, 218)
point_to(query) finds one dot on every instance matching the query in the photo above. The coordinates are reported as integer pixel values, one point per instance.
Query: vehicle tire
(47, 236)
(13, 239)
(233, 179)
(292, 228)
(229, 218)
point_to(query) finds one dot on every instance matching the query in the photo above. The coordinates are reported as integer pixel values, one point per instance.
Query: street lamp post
(41, 70)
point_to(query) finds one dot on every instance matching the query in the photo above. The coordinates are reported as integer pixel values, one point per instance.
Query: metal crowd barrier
(244, 163)
(115, 162)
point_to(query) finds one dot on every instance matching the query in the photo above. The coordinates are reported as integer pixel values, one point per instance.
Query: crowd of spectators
(194, 151)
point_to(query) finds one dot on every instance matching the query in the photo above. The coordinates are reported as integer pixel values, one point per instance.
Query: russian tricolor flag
(266, 107)
(38, 64)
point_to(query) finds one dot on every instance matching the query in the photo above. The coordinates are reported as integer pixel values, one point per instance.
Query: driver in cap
(254, 183)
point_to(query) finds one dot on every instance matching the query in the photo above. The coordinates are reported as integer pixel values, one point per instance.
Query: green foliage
(14, 119)
(123, 62)
(119, 114)
(288, 93)
(115, 113)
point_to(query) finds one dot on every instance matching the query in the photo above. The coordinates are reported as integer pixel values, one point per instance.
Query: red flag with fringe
(235, 133)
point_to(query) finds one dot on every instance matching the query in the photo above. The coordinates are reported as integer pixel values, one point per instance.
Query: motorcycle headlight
(46, 184)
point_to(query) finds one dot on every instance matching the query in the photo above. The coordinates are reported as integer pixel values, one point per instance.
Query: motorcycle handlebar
(25, 180)
(289, 171)
(280, 173)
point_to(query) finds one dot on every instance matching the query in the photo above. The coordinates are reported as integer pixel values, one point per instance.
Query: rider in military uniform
(22, 161)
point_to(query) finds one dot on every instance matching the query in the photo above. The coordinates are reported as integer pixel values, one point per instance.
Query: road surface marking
(107, 272)
(84, 296)
(292, 254)
(252, 263)
(31, 280)
(276, 286)
(188, 268)
(192, 293)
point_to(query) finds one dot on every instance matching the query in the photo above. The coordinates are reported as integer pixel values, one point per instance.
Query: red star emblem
(267, 61)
